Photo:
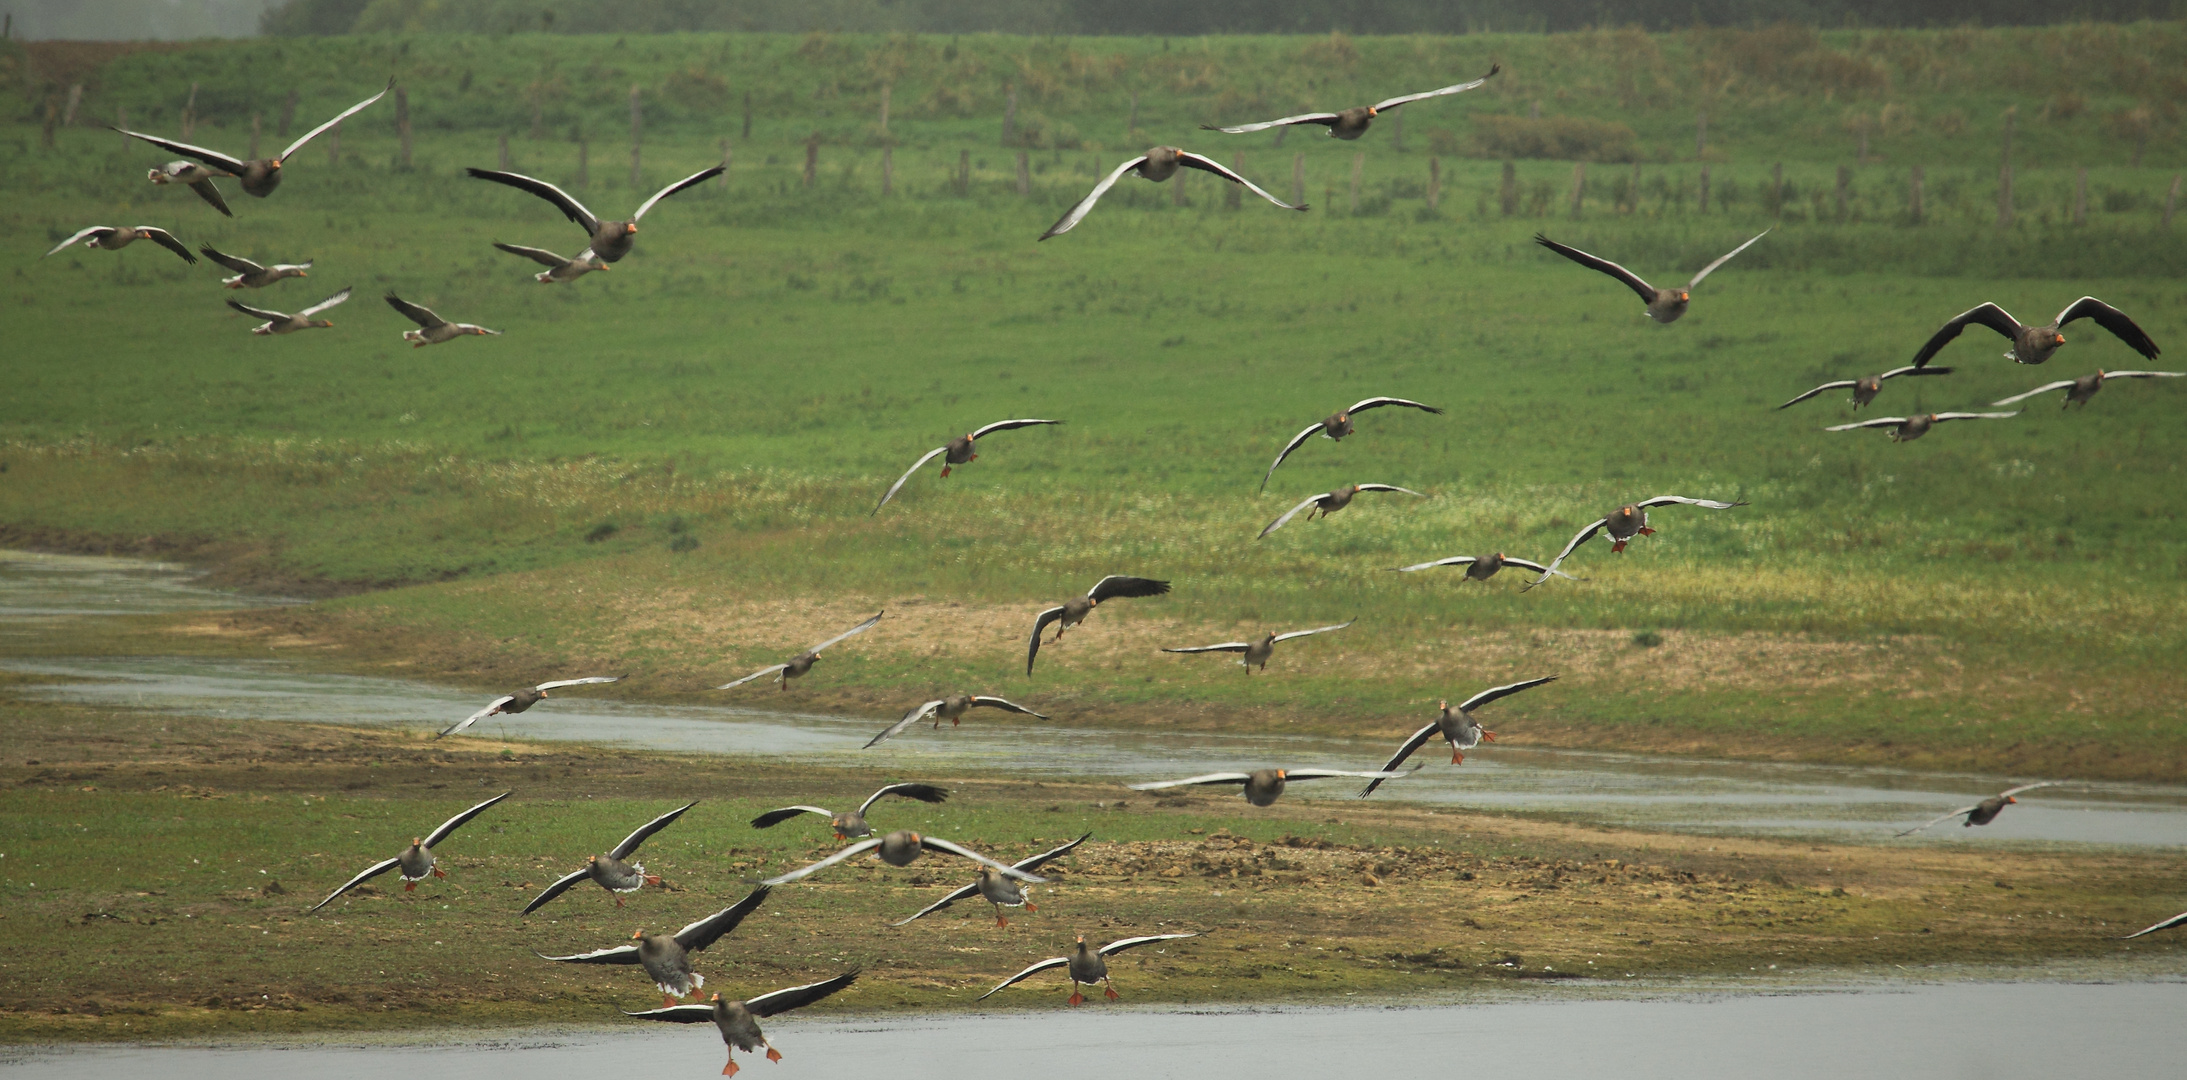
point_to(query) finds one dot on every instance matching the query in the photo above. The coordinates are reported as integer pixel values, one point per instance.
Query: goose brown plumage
(738, 1021)
(1484, 567)
(1354, 122)
(1981, 813)
(2078, 391)
(432, 329)
(1664, 305)
(609, 240)
(524, 699)
(852, 823)
(1261, 649)
(1865, 390)
(958, 451)
(613, 871)
(982, 885)
(1457, 727)
(416, 861)
(1909, 428)
(2035, 344)
(952, 709)
(803, 662)
(1086, 966)
(197, 178)
(1625, 523)
(1262, 787)
(666, 958)
(902, 848)
(1337, 425)
(1329, 502)
(258, 176)
(280, 323)
(250, 275)
(1157, 164)
(1074, 611)
(110, 238)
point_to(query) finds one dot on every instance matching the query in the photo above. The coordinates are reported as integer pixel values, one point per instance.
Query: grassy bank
(158, 882)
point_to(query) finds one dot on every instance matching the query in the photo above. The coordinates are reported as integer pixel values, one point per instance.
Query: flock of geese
(668, 959)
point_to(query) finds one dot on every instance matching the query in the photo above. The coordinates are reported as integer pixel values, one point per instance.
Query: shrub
(683, 542)
(1646, 639)
(601, 532)
(1558, 138)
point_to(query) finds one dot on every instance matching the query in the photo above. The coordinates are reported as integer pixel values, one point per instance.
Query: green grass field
(2000, 595)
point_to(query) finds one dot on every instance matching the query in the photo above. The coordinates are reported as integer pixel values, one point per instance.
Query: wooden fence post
(1009, 114)
(75, 98)
(504, 151)
(1913, 195)
(253, 155)
(2080, 197)
(189, 113)
(1507, 196)
(637, 138)
(885, 88)
(1298, 179)
(288, 116)
(1435, 182)
(1025, 175)
(1280, 134)
(1579, 187)
(1701, 135)
(1845, 183)
(1232, 194)
(888, 170)
(1703, 201)
(402, 123)
(1359, 164)
(812, 159)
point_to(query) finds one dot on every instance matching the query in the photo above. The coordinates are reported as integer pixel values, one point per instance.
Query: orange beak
(636, 934)
(2058, 338)
(1281, 773)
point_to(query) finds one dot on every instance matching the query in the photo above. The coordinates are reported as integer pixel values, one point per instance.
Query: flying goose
(802, 662)
(902, 848)
(250, 275)
(1352, 123)
(2078, 391)
(666, 958)
(1329, 502)
(198, 177)
(1456, 725)
(258, 176)
(990, 885)
(2176, 920)
(432, 329)
(952, 709)
(853, 823)
(1074, 611)
(1087, 966)
(1484, 567)
(278, 323)
(1158, 164)
(1337, 426)
(1909, 428)
(1258, 652)
(558, 268)
(1664, 305)
(109, 238)
(960, 450)
(523, 699)
(2034, 344)
(1981, 813)
(416, 861)
(1625, 523)
(739, 1020)
(610, 240)
(1865, 390)
(611, 870)
(1264, 786)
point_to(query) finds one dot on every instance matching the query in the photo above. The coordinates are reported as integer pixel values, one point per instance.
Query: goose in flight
(109, 238)
(1457, 727)
(853, 823)
(1981, 813)
(960, 450)
(609, 240)
(1664, 305)
(198, 177)
(416, 861)
(952, 709)
(1074, 611)
(557, 267)
(432, 329)
(1909, 428)
(522, 700)
(1625, 523)
(1865, 390)
(1264, 786)
(250, 275)
(258, 176)
(996, 888)
(2176, 920)
(613, 871)
(666, 958)
(1259, 650)
(802, 662)
(2035, 344)
(278, 323)
(1484, 567)
(1087, 966)
(2078, 391)
(902, 848)
(1329, 502)
(1158, 164)
(738, 1021)
(1337, 426)
(1352, 123)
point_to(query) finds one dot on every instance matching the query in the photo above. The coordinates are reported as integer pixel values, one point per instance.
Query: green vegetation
(696, 440)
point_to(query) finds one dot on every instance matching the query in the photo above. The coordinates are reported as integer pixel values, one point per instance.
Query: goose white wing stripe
(935, 843)
(1302, 118)
(1114, 947)
(1051, 962)
(1208, 164)
(852, 632)
(915, 467)
(858, 848)
(1316, 630)
(910, 718)
(1078, 212)
(1292, 513)
(1296, 442)
(1209, 778)
(491, 708)
(331, 301)
(1391, 103)
(79, 236)
(457, 822)
(338, 118)
(1725, 258)
(373, 871)
(2043, 389)
(760, 674)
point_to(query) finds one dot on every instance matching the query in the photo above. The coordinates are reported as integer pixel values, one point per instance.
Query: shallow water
(1986, 1030)
(1689, 795)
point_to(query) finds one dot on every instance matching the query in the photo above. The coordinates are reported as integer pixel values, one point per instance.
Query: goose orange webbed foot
(729, 1069)
(1489, 735)
(945, 472)
(773, 1054)
(653, 879)
(1111, 991)
(1645, 531)
(618, 901)
(1077, 998)
(1457, 758)
(410, 886)
(1619, 546)
(438, 872)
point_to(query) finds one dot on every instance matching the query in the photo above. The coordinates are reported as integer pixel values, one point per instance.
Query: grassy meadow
(671, 467)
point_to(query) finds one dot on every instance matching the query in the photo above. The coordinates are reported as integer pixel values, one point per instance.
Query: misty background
(168, 20)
